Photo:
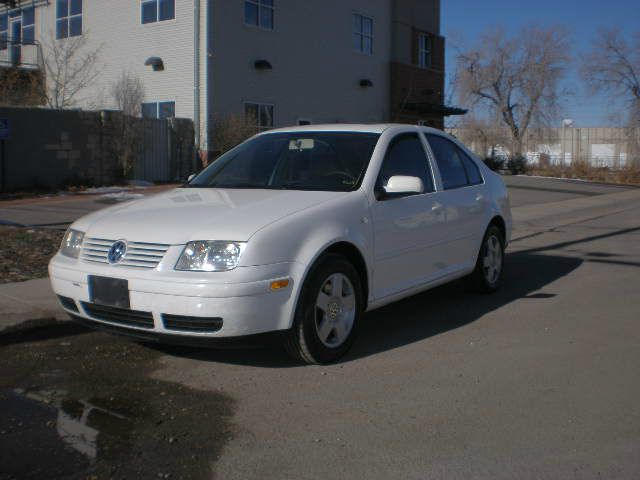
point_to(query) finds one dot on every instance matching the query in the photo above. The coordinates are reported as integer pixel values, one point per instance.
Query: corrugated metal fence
(55, 148)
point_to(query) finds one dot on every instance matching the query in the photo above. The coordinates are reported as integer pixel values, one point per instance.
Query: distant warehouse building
(282, 62)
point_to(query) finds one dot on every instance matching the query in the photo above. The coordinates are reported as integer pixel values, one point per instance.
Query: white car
(296, 233)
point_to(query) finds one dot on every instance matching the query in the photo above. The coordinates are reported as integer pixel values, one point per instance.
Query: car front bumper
(215, 305)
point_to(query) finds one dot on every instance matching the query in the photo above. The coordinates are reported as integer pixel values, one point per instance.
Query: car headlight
(71, 243)
(210, 256)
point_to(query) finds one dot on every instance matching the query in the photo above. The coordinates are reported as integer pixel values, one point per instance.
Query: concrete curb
(32, 302)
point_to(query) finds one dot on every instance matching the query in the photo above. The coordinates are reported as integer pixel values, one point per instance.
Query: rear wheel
(328, 312)
(487, 275)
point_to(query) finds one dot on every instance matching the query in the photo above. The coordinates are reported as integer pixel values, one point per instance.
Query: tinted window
(406, 156)
(473, 172)
(449, 162)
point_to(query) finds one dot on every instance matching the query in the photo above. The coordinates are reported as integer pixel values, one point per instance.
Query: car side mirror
(191, 177)
(400, 185)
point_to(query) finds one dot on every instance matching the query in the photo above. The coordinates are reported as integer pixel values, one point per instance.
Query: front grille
(191, 324)
(122, 316)
(138, 254)
(68, 303)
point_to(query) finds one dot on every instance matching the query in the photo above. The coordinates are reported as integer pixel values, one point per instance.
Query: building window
(4, 31)
(259, 113)
(259, 13)
(68, 18)
(424, 50)
(159, 110)
(362, 34)
(158, 10)
(28, 25)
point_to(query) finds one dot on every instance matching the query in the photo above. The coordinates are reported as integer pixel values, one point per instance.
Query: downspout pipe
(196, 71)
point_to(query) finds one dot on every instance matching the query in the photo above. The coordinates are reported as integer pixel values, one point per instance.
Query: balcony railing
(20, 54)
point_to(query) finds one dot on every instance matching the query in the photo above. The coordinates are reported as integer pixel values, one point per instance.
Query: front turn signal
(279, 284)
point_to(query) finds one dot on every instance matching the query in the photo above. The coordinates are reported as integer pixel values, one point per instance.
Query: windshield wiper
(237, 185)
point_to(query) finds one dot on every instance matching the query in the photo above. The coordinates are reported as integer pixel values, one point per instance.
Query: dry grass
(583, 171)
(25, 252)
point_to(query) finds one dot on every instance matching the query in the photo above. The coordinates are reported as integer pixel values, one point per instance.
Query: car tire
(487, 275)
(328, 312)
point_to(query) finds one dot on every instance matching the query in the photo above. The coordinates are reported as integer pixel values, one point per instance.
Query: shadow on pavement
(421, 316)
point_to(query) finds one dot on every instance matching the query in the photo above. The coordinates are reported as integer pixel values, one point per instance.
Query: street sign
(5, 129)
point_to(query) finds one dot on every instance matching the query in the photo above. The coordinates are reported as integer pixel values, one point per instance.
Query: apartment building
(281, 62)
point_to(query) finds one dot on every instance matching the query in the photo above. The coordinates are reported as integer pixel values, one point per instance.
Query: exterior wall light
(262, 65)
(156, 63)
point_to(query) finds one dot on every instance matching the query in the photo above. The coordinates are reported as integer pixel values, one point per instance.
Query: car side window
(473, 172)
(449, 162)
(406, 156)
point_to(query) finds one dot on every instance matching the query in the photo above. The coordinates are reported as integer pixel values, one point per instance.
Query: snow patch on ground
(131, 184)
(117, 197)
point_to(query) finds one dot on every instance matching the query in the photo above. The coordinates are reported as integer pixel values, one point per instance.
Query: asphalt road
(540, 380)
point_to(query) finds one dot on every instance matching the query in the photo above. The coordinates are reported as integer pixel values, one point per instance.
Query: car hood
(185, 214)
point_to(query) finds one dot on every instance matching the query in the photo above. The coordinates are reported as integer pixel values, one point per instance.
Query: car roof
(351, 127)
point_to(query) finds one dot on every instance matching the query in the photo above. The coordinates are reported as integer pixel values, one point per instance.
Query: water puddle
(84, 425)
(89, 408)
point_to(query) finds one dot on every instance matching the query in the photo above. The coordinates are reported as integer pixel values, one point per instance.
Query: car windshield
(329, 161)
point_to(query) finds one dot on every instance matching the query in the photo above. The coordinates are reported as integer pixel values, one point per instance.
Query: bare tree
(516, 78)
(613, 67)
(484, 135)
(231, 131)
(70, 67)
(128, 94)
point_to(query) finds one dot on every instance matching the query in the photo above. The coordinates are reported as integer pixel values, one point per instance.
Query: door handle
(436, 207)
(479, 197)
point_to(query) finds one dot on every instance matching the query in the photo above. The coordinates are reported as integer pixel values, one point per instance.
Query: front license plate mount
(109, 292)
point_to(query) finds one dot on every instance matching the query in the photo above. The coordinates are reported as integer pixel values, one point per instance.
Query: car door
(463, 200)
(407, 235)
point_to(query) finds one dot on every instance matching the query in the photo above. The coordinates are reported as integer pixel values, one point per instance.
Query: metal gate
(152, 163)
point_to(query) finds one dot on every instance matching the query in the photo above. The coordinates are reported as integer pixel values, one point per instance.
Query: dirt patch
(85, 406)
(25, 252)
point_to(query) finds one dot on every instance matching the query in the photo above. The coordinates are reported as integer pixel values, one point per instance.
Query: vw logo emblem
(117, 251)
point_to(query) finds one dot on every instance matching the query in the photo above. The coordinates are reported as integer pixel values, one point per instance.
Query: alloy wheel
(492, 261)
(335, 310)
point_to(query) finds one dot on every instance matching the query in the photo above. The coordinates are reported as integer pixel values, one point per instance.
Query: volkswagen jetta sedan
(295, 232)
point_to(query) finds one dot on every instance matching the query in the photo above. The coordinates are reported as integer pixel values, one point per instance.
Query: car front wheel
(328, 312)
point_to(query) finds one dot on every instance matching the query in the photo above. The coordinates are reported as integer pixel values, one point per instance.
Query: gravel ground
(25, 252)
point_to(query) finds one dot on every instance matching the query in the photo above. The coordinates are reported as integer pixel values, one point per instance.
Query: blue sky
(464, 21)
